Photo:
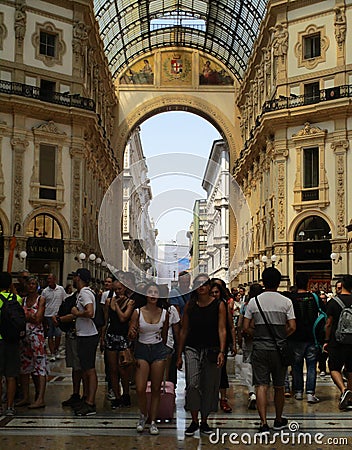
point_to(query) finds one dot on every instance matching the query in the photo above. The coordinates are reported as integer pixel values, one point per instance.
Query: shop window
(44, 226)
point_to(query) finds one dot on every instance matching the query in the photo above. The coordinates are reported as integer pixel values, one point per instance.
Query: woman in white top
(150, 325)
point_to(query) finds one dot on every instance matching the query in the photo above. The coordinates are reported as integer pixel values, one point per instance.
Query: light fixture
(92, 257)
(335, 257)
(82, 256)
(251, 264)
(23, 254)
(103, 264)
(98, 260)
(264, 259)
(273, 258)
(256, 262)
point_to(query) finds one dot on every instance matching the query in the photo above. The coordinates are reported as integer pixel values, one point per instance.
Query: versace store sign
(43, 248)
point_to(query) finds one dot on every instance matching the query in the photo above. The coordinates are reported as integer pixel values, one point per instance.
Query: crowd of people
(148, 333)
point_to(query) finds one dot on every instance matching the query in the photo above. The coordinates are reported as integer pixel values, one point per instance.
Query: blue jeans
(308, 352)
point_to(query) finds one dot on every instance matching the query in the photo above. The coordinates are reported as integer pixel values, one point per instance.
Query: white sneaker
(252, 401)
(141, 423)
(311, 398)
(153, 429)
(299, 395)
(52, 358)
(322, 374)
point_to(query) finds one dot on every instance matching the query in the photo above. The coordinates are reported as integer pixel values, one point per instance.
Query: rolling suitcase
(167, 400)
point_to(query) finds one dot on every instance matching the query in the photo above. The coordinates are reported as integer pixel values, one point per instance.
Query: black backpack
(12, 319)
(64, 310)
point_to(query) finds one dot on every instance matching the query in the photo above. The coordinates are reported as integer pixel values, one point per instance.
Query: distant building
(216, 184)
(172, 258)
(198, 237)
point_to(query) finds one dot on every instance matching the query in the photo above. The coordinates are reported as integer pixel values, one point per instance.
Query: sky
(169, 142)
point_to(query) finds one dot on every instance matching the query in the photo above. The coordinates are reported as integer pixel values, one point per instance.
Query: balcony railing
(25, 90)
(295, 101)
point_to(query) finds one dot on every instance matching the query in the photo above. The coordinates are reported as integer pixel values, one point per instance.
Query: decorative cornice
(49, 127)
(308, 130)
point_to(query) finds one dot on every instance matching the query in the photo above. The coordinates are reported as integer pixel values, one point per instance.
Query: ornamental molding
(49, 128)
(311, 63)
(280, 39)
(308, 131)
(60, 48)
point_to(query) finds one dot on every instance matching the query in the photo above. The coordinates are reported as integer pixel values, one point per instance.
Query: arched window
(313, 228)
(44, 226)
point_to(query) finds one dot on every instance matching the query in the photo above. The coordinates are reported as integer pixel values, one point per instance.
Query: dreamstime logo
(175, 170)
(291, 436)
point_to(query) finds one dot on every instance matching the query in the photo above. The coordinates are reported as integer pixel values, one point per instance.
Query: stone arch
(186, 103)
(298, 219)
(57, 216)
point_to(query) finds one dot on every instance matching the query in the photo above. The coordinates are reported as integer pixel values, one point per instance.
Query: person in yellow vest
(9, 351)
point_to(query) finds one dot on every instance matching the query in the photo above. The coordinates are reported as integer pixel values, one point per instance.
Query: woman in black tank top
(118, 310)
(203, 338)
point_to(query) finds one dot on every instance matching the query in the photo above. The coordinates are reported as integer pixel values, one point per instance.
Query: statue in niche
(340, 26)
(20, 20)
(280, 41)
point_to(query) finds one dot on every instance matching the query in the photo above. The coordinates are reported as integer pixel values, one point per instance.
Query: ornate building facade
(295, 103)
(56, 117)
(216, 183)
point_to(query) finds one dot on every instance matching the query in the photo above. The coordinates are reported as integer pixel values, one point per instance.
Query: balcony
(295, 101)
(25, 90)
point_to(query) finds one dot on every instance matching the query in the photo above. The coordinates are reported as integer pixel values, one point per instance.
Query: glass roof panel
(226, 29)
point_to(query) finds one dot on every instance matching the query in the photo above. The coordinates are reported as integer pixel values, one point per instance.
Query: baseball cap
(84, 274)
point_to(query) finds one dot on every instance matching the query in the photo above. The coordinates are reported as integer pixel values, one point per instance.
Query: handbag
(126, 357)
(284, 350)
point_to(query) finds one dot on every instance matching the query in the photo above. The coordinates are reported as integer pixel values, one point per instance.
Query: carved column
(2, 181)
(340, 149)
(18, 148)
(77, 153)
(280, 157)
(20, 29)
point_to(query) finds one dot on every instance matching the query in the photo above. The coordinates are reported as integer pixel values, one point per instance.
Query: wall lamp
(335, 258)
(22, 255)
(81, 257)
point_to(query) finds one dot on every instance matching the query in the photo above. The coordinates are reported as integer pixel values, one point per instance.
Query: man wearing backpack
(9, 351)
(339, 345)
(307, 307)
(87, 340)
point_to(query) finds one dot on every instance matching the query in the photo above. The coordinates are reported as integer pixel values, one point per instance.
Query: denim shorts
(151, 352)
(53, 331)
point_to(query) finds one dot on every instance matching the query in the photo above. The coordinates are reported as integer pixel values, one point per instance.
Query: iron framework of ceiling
(229, 31)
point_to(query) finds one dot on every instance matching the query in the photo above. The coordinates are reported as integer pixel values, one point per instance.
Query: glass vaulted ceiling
(225, 29)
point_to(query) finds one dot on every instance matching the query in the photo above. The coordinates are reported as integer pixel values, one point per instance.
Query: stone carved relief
(281, 194)
(76, 189)
(3, 31)
(49, 127)
(308, 130)
(20, 20)
(280, 40)
(340, 148)
(80, 38)
(340, 25)
(18, 146)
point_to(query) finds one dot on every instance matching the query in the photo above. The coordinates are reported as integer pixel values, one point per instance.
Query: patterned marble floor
(320, 426)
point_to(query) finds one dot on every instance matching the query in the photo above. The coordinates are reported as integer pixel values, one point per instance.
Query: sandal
(225, 406)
